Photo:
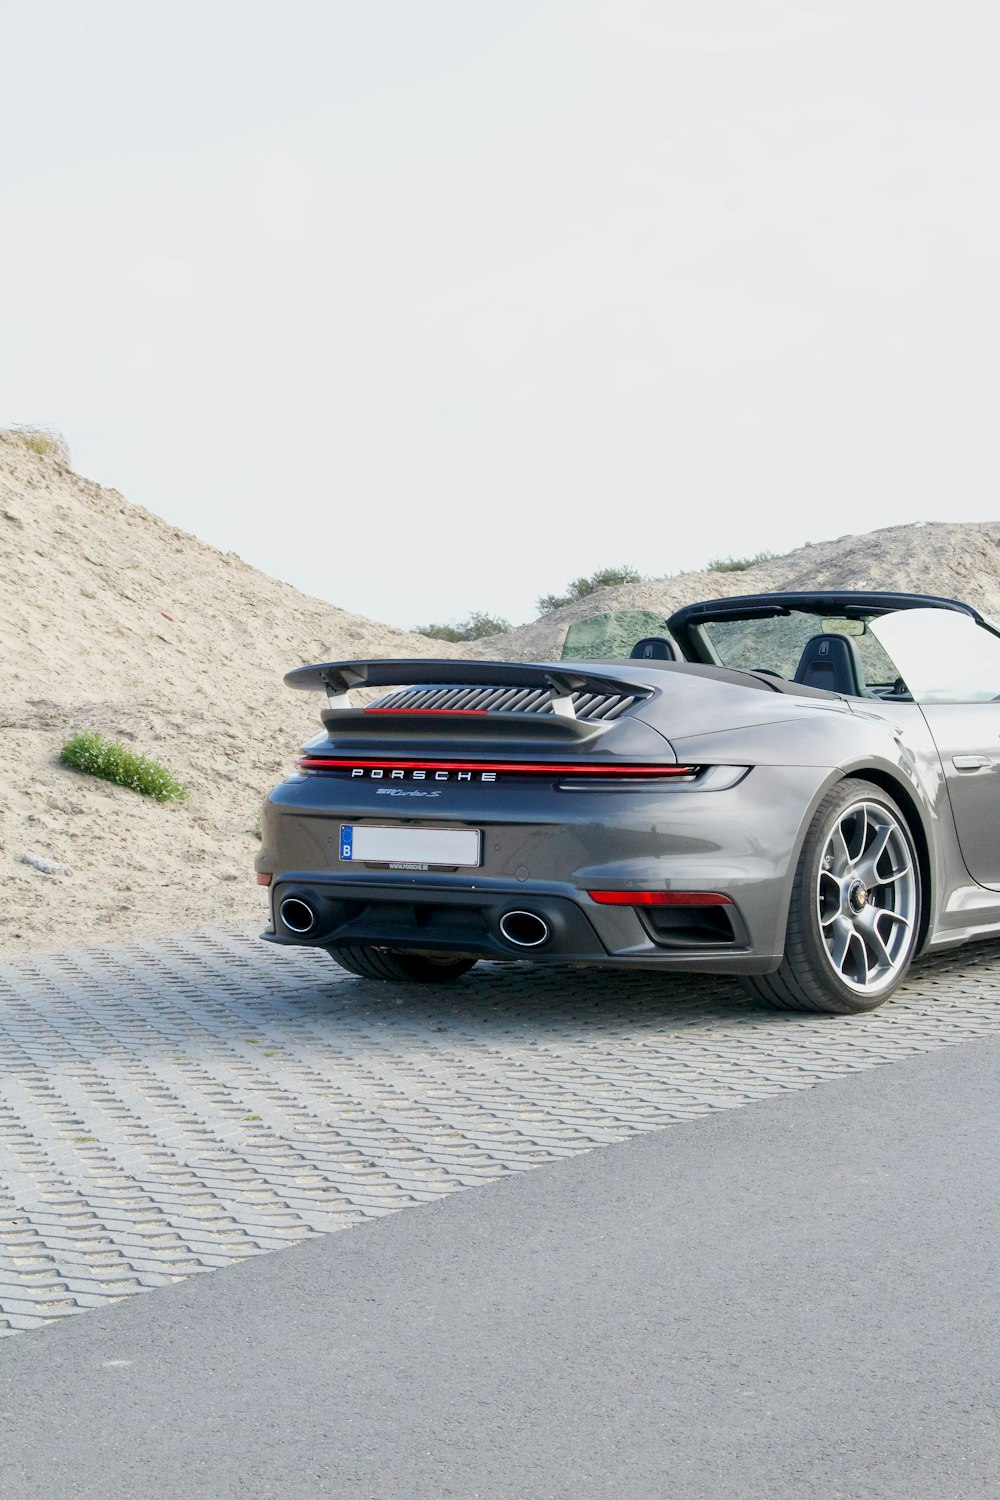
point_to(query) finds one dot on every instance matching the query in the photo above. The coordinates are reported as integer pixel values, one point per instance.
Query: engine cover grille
(503, 700)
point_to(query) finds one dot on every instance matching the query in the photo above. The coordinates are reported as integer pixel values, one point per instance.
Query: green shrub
(738, 564)
(44, 440)
(472, 629)
(579, 588)
(112, 762)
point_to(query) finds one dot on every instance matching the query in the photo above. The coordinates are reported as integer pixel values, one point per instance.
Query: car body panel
(967, 736)
(740, 840)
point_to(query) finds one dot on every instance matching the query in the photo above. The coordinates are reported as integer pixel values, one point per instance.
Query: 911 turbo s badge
(399, 791)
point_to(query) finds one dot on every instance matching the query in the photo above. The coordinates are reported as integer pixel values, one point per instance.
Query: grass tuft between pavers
(96, 756)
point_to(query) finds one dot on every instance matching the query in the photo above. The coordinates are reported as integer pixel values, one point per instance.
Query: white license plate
(418, 847)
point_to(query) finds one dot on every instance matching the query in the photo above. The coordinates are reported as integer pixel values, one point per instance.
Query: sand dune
(113, 620)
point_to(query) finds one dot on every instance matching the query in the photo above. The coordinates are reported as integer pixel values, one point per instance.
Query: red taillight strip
(660, 898)
(519, 767)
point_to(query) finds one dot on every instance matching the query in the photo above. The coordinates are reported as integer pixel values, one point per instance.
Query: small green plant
(739, 564)
(472, 629)
(112, 762)
(44, 440)
(579, 588)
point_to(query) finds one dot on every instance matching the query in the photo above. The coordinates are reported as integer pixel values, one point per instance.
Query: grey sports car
(798, 789)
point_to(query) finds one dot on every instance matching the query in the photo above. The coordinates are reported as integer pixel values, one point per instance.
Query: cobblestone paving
(178, 1104)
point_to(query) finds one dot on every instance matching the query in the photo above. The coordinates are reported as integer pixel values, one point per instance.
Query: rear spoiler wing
(337, 678)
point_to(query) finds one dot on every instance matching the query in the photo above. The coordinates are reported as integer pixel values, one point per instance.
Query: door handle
(971, 762)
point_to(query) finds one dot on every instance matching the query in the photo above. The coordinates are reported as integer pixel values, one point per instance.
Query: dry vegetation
(43, 440)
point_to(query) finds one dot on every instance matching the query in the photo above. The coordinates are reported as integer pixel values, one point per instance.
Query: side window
(943, 656)
(609, 637)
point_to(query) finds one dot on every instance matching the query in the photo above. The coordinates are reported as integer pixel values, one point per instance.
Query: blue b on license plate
(410, 846)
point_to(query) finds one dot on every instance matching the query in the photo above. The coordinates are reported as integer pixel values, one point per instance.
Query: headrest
(653, 648)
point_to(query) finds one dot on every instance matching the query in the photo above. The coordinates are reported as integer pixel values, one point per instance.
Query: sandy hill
(960, 561)
(112, 620)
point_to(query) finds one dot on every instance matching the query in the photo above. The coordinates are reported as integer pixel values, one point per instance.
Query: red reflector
(659, 898)
(263, 879)
(515, 767)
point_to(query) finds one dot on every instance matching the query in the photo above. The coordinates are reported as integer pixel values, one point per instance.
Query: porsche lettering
(381, 773)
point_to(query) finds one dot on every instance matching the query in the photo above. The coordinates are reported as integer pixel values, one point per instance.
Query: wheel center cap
(858, 896)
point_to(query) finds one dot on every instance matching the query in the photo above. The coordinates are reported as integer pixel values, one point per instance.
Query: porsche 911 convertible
(802, 790)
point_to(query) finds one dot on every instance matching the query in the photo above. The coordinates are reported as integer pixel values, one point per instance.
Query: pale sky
(430, 305)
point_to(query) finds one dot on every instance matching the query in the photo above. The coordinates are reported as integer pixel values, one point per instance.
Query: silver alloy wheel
(866, 897)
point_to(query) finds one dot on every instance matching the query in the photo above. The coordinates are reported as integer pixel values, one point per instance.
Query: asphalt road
(796, 1298)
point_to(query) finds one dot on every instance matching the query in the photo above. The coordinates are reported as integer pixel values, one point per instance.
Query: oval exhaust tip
(297, 915)
(525, 929)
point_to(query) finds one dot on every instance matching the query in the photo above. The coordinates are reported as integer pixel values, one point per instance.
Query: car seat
(832, 662)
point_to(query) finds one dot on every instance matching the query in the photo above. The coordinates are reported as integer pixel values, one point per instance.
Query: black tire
(410, 968)
(854, 917)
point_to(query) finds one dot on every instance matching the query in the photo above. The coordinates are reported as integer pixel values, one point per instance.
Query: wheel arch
(909, 806)
(796, 983)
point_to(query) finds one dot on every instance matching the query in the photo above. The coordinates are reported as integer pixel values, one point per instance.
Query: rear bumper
(467, 921)
(543, 849)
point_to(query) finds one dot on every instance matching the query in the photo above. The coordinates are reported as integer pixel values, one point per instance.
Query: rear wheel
(382, 963)
(854, 917)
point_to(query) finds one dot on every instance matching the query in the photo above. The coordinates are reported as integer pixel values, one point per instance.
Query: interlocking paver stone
(174, 1105)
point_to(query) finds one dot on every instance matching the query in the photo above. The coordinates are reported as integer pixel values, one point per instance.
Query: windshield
(944, 657)
(776, 644)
